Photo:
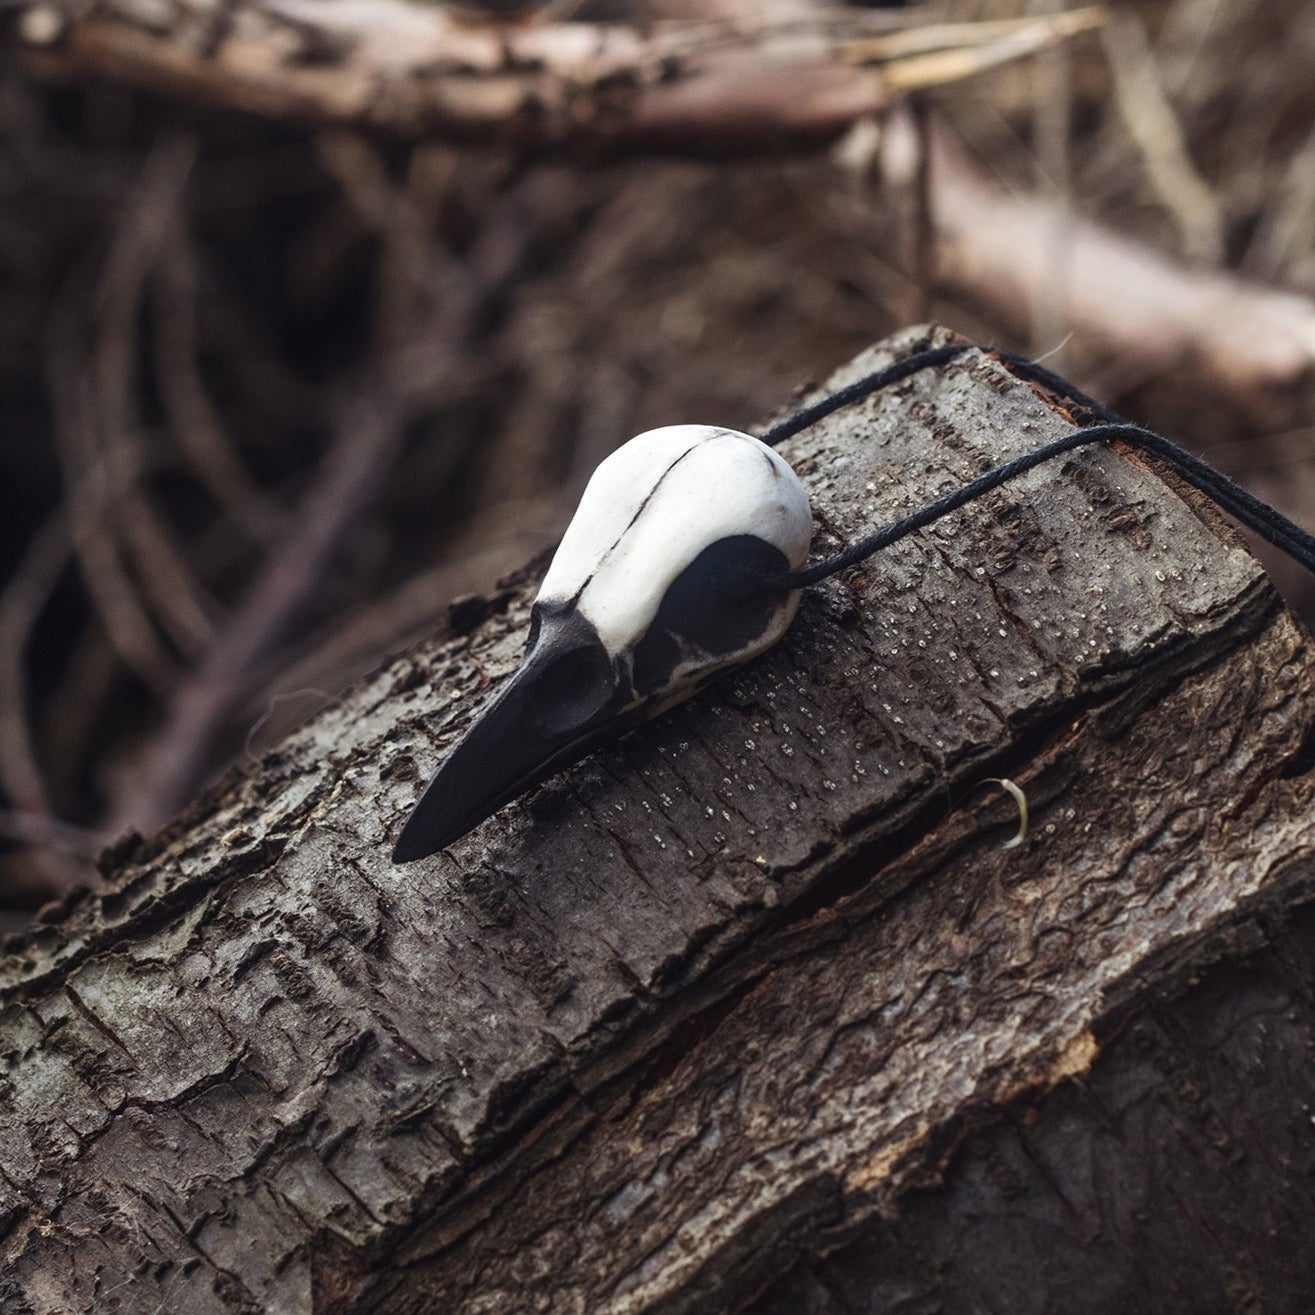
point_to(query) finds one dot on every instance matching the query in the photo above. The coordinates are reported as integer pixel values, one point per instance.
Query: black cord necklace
(1245, 507)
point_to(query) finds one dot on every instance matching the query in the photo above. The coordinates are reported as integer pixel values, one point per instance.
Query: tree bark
(753, 1007)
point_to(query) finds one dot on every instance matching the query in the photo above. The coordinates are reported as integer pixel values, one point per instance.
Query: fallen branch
(418, 70)
(1218, 335)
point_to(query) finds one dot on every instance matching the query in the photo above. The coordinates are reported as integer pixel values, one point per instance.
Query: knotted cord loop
(1245, 507)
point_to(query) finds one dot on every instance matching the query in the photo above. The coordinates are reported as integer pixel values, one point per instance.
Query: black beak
(565, 698)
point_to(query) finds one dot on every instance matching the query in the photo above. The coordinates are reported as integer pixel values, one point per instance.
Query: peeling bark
(750, 1005)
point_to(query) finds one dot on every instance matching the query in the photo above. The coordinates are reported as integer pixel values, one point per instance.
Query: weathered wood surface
(726, 996)
(1176, 1177)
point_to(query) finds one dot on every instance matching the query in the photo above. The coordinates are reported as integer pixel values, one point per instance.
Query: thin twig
(194, 421)
(184, 608)
(923, 263)
(1153, 125)
(1286, 233)
(368, 433)
(401, 217)
(21, 604)
(88, 486)
(89, 676)
(1052, 114)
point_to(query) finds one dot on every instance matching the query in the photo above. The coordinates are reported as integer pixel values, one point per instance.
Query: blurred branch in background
(280, 383)
(1223, 337)
(750, 84)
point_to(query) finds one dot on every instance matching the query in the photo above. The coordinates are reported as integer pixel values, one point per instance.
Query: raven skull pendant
(662, 580)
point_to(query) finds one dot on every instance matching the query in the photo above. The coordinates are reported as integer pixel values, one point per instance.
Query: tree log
(753, 1006)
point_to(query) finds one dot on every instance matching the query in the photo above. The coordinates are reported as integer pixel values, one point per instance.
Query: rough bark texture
(706, 1021)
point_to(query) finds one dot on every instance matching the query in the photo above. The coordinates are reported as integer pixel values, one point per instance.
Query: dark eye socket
(717, 606)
